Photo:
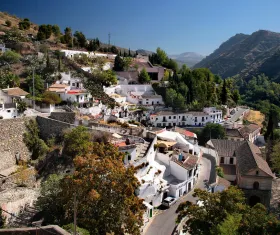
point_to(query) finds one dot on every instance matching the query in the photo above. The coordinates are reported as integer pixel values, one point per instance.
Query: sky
(176, 26)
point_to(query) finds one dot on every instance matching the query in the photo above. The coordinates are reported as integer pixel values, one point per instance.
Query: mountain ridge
(245, 55)
(188, 58)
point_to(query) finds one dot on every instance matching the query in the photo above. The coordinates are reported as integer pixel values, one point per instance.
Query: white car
(169, 201)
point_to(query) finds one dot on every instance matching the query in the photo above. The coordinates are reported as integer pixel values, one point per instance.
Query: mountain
(188, 58)
(246, 55)
(144, 52)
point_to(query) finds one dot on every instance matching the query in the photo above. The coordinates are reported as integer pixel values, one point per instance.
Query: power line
(25, 221)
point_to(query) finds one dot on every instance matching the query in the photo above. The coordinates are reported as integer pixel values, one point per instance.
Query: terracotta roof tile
(16, 91)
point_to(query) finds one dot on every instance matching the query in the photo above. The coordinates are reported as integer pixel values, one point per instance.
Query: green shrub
(8, 23)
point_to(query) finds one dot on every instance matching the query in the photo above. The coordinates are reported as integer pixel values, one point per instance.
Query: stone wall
(68, 117)
(137, 131)
(11, 141)
(51, 127)
(45, 230)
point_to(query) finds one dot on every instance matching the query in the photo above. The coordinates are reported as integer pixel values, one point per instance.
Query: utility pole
(33, 88)
(109, 41)
(75, 214)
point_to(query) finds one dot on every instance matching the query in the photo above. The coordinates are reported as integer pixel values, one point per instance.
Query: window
(190, 173)
(256, 185)
(174, 117)
(129, 157)
(8, 110)
(231, 160)
(147, 102)
(222, 160)
(206, 118)
(147, 99)
(202, 119)
(157, 102)
(73, 84)
(169, 117)
(156, 119)
(257, 172)
(195, 119)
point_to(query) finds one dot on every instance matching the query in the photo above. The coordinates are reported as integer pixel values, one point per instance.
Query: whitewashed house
(71, 89)
(141, 95)
(169, 118)
(8, 101)
(71, 53)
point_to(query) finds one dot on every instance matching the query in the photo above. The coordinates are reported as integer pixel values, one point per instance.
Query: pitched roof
(189, 163)
(15, 91)
(226, 148)
(248, 129)
(249, 158)
(185, 132)
(233, 133)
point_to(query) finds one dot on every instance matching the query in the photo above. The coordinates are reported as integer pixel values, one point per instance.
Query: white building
(71, 53)
(8, 101)
(169, 118)
(105, 67)
(3, 48)
(142, 95)
(71, 89)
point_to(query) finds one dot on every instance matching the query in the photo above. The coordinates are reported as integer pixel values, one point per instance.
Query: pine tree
(129, 52)
(224, 94)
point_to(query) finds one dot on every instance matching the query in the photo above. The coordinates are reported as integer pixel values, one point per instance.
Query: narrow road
(237, 115)
(164, 223)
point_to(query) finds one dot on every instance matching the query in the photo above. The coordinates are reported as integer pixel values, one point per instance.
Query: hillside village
(177, 129)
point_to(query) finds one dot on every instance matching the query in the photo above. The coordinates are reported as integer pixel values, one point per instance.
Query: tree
(230, 225)
(32, 140)
(104, 190)
(179, 103)
(56, 30)
(21, 106)
(93, 45)
(8, 79)
(127, 62)
(224, 93)
(161, 56)
(49, 201)
(10, 57)
(38, 85)
(144, 76)
(275, 157)
(67, 35)
(236, 96)
(118, 64)
(211, 131)
(81, 39)
(8, 23)
(171, 95)
(24, 24)
(114, 50)
(129, 54)
(51, 98)
(225, 213)
(76, 141)
(2, 219)
(44, 32)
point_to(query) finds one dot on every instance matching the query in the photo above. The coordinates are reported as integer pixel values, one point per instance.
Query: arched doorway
(253, 200)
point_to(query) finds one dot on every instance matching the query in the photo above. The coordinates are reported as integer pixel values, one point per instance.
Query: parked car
(169, 201)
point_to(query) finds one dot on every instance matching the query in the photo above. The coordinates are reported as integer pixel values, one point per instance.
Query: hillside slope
(246, 55)
(188, 58)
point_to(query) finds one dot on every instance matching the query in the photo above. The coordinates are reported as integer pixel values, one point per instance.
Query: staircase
(25, 217)
(144, 149)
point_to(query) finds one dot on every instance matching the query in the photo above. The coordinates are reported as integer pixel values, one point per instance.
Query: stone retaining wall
(51, 127)
(45, 230)
(68, 117)
(11, 141)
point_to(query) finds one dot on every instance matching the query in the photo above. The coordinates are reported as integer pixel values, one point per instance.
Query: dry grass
(14, 20)
(255, 117)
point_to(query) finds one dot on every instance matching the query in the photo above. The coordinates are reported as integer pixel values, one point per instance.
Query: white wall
(8, 113)
(4, 98)
(178, 171)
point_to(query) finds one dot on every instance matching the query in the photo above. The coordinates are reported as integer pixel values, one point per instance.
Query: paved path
(164, 223)
(236, 115)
